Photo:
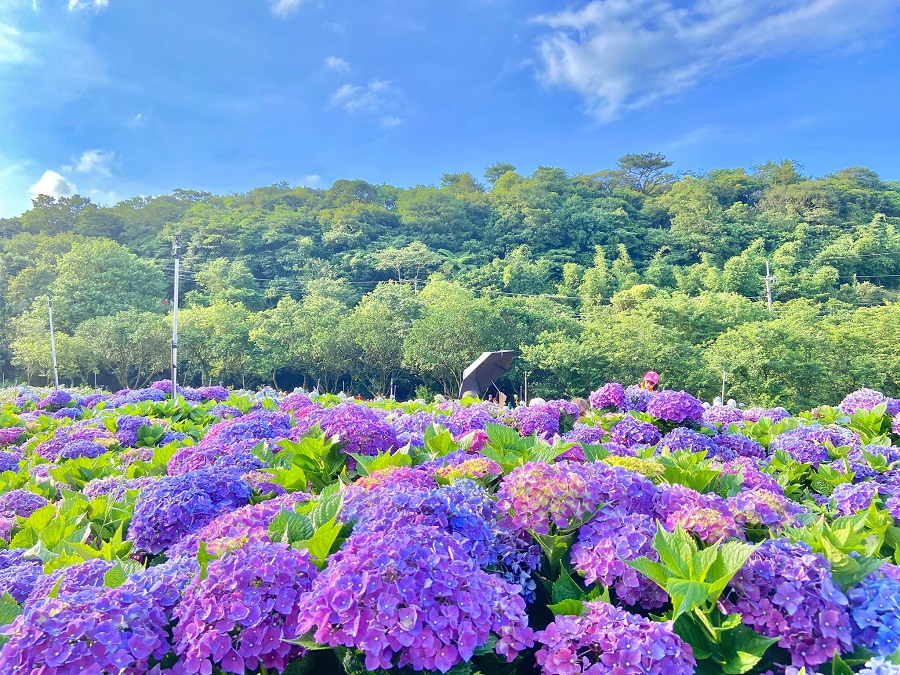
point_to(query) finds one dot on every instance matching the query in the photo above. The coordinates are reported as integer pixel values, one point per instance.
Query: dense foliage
(591, 277)
(217, 532)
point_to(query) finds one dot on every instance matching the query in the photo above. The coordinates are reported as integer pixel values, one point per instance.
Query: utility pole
(526, 387)
(52, 342)
(723, 386)
(176, 251)
(769, 281)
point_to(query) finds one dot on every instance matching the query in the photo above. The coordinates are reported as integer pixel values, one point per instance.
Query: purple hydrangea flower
(585, 433)
(18, 575)
(786, 591)
(411, 596)
(9, 461)
(879, 665)
(464, 420)
(850, 498)
(80, 448)
(863, 399)
(222, 410)
(369, 492)
(740, 445)
(610, 396)
(172, 437)
(603, 545)
(751, 476)
(722, 416)
(410, 427)
(541, 419)
(762, 508)
(10, 435)
(239, 616)
(675, 406)
(705, 515)
(774, 414)
(895, 425)
(296, 401)
(175, 506)
(607, 640)
(214, 393)
(54, 400)
(21, 503)
(682, 438)
(638, 398)
(127, 426)
(89, 574)
(359, 428)
(628, 431)
(115, 486)
(800, 446)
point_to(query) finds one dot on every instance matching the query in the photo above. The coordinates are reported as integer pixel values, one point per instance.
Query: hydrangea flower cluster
(607, 640)
(751, 476)
(611, 396)
(89, 574)
(539, 496)
(541, 419)
(895, 425)
(474, 468)
(786, 591)
(78, 448)
(232, 529)
(93, 629)
(722, 416)
(682, 438)
(378, 487)
(223, 410)
(18, 575)
(638, 398)
(705, 515)
(10, 435)
(127, 396)
(21, 503)
(646, 467)
(127, 426)
(175, 506)
(251, 428)
(411, 596)
(852, 497)
(740, 445)
(862, 399)
(585, 433)
(675, 406)
(410, 428)
(360, 429)
(115, 486)
(54, 400)
(773, 414)
(762, 508)
(603, 545)
(630, 431)
(875, 613)
(9, 460)
(296, 401)
(463, 420)
(798, 444)
(879, 665)
(164, 584)
(239, 616)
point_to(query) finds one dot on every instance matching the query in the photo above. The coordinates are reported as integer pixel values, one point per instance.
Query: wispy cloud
(286, 8)
(53, 184)
(96, 5)
(313, 180)
(626, 54)
(390, 121)
(98, 162)
(369, 98)
(337, 63)
(13, 45)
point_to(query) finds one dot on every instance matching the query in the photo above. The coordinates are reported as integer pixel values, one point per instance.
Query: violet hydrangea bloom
(360, 429)
(705, 515)
(611, 396)
(296, 401)
(89, 574)
(722, 416)
(607, 640)
(214, 393)
(603, 545)
(21, 503)
(240, 615)
(18, 575)
(411, 596)
(115, 486)
(175, 506)
(9, 461)
(54, 400)
(675, 406)
(473, 467)
(850, 498)
(638, 398)
(682, 438)
(80, 448)
(10, 435)
(800, 447)
(786, 591)
(875, 613)
(762, 508)
(629, 431)
(127, 426)
(541, 419)
(772, 414)
(862, 399)
(740, 445)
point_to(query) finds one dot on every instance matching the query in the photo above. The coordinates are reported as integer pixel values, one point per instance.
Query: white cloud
(96, 162)
(96, 5)
(13, 45)
(370, 98)
(337, 63)
(104, 198)
(137, 120)
(313, 180)
(53, 185)
(390, 121)
(285, 8)
(626, 54)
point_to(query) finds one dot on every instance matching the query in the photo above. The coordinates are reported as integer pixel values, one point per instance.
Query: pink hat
(652, 377)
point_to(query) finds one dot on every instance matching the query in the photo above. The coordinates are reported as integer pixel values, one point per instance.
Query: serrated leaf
(686, 595)
(321, 543)
(308, 641)
(554, 546)
(9, 609)
(565, 588)
(567, 607)
(326, 509)
(114, 577)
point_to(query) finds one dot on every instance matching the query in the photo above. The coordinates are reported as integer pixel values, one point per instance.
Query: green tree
(131, 345)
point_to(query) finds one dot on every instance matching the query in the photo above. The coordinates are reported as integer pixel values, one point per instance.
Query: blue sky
(117, 98)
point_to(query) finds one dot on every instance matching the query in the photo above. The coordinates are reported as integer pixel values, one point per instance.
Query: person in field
(650, 381)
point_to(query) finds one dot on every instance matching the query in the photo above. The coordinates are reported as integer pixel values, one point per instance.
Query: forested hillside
(591, 277)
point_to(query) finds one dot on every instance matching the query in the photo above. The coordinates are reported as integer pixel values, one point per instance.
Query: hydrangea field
(239, 532)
